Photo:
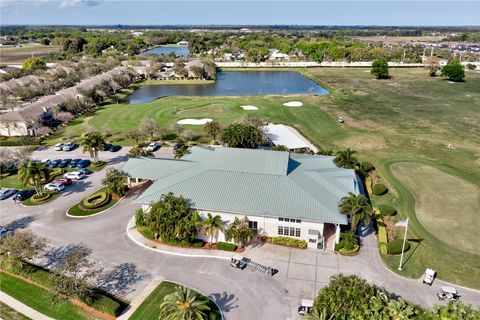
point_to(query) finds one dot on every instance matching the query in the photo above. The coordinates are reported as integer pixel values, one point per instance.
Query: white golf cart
(448, 294)
(305, 307)
(239, 262)
(429, 276)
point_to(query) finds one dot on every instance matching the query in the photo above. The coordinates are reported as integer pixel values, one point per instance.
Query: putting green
(447, 206)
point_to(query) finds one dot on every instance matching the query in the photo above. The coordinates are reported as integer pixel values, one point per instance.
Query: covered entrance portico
(331, 234)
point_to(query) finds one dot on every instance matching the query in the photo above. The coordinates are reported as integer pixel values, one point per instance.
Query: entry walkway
(22, 308)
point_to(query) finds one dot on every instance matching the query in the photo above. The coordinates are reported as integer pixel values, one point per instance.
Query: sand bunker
(293, 104)
(249, 107)
(194, 122)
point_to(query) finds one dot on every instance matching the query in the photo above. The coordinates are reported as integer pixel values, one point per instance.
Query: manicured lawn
(53, 195)
(40, 299)
(149, 309)
(76, 210)
(11, 314)
(11, 181)
(410, 117)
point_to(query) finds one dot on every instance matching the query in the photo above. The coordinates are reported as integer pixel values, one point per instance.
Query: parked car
(115, 148)
(69, 146)
(7, 193)
(58, 147)
(23, 195)
(178, 145)
(46, 161)
(83, 163)
(448, 293)
(74, 163)
(85, 171)
(239, 262)
(64, 163)
(429, 276)
(54, 163)
(153, 146)
(74, 175)
(305, 307)
(64, 181)
(3, 232)
(53, 186)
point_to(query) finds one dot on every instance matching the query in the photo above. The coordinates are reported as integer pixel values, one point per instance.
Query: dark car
(23, 195)
(64, 163)
(107, 146)
(83, 163)
(54, 163)
(7, 192)
(115, 148)
(178, 146)
(74, 163)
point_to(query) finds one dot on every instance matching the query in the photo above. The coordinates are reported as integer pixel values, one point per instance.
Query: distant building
(275, 54)
(182, 43)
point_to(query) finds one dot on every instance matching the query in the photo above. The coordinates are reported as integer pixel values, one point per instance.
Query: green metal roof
(250, 181)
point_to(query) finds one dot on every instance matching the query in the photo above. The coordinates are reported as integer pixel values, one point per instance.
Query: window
(252, 225)
(298, 221)
(292, 232)
(280, 219)
(287, 220)
(297, 232)
(280, 231)
(312, 240)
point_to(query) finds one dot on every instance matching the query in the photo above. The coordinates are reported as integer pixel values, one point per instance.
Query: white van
(74, 175)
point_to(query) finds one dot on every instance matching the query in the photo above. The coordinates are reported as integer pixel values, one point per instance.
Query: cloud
(75, 3)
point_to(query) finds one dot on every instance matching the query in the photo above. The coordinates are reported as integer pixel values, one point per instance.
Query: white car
(75, 175)
(429, 276)
(54, 187)
(153, 146)
(58, 147)
(305, 307)
(69, 146)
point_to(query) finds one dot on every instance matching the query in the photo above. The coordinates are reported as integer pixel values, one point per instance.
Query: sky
(241, 12)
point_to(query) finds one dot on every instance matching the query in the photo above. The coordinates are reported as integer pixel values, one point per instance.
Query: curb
(92, 215)
(130, 223)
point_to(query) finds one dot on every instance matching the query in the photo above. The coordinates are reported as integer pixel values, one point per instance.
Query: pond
(180, 51)
(235, 83)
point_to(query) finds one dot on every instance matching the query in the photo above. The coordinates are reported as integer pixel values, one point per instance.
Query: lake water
(235, 83)
(180, 51)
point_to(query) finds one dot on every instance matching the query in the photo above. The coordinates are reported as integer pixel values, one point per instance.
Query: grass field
(11, 314)
(16, 55)
(149, 309)
(409, 117)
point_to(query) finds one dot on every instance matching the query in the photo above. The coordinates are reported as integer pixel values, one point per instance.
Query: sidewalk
(139, 300)
(22, 308)
(139, 239)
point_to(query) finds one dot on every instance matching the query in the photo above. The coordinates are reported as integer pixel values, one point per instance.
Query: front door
(254, 226)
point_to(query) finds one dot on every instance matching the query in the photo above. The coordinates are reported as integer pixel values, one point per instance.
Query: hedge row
(367, 166)
(226, 246)
(96, 200)
(368, 183)
(41, 199)
(387, 210)
(382, 234)
(395, 246)
(289, 242)
(379, 189)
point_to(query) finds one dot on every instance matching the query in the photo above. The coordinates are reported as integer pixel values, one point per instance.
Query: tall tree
(136, 135)
(212, 128)
(93, 143)
(115, 181)
(380, 69)
(356, 206)
(34, 173)
(212, 225)
(184, 304)
(239, 232)
(241, 135)
(151, 128)
(20, 247)
(345, 159)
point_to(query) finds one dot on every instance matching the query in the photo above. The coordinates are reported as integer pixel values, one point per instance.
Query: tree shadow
(77, 186)
(21, 223)
(119, 279)
(224, 301)
(56, 256)
(118, 159)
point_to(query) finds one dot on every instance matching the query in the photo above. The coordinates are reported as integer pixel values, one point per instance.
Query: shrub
(386, 210)
(41, 199)
(367, 166)
(98, 164)
(289, 242)
(350, 252)
(382, 235)
(368, 183)
(395, 246)
(339, 245)
(96, 200)
(197, 243)
(139, 217)
(226, 246)
(379, 189)
(147, 232)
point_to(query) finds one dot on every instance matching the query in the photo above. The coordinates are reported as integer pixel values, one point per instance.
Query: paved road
(240, 294)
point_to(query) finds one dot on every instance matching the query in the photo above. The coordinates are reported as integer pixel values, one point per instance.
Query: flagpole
(403, 247)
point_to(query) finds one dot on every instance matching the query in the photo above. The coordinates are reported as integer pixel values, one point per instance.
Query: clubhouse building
(279, 193)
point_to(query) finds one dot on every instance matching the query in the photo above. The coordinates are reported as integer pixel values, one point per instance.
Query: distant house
(137, 33)
(275, 54)
(182, 43)
(191, 64)
(279, 193)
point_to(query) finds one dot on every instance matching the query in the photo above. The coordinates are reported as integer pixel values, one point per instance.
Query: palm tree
(356, 206)
(184, 304)
(239, 232)
(316, 314)
(115, 181)
(180, 152)
(187, 228)
(93, 143)
(212, 224)
(34, 173)
(137, 152)
(345, 159)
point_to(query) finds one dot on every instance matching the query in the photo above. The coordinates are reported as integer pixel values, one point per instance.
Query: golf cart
(448, 294)
(429, 276)
(305, 307)
(239, 262)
